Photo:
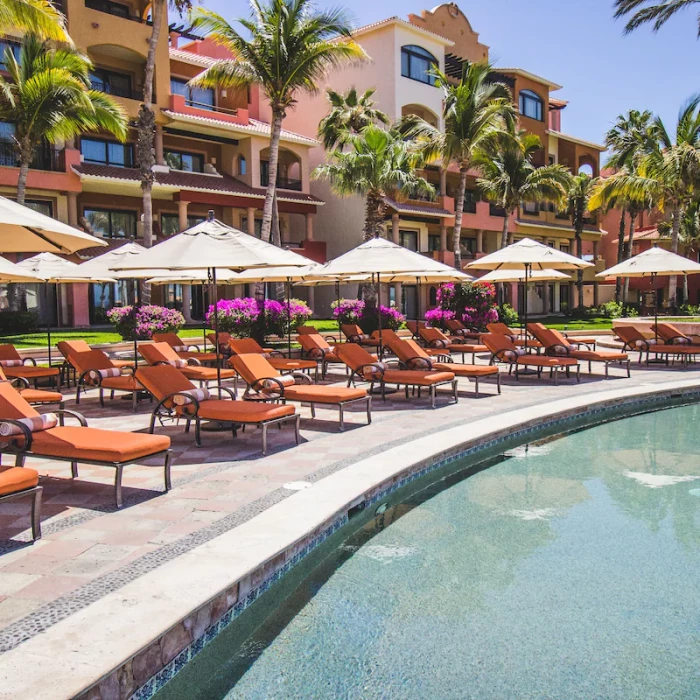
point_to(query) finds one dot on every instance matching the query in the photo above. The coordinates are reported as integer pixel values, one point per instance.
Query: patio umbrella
(519, 276)
(528, 255)
(653, 263)
(209, 245)
(24, 230)
(52, 269)
(378, 257)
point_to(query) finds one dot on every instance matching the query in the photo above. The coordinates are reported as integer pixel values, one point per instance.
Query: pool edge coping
(171, 615)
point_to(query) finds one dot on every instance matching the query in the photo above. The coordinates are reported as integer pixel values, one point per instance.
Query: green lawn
(92, 337)
(559, 323)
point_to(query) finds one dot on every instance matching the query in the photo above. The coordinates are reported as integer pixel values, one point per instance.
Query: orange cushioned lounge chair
(414, 326)
(184, 348)
(177, 398)
(34, 396)
(355, 334)
(14, 366)
(163, 354)
(316, 347)
(265, 383)
(514, 336)
(96, 370)
(671, 335)
(74, 444)
(20, 482)
(413, 356)
(435, 339)
(460, 330)
(365, 368)
(634, 339)
(580, 342)
(503, 350)
(66, 347)
(557, 345)
(249, 346)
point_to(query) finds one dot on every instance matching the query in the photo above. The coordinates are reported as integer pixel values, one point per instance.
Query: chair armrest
(225, 389)
(263, 393)
(22, 381)
(194, 361)
(73, 414)
(378, 368)
(86, 379)
(578, 344)
(418, 363)
(275, 353)
(196, 347)
(331, 339)
(300, 375)
(12, 445)
(29, 361)
(558, 351)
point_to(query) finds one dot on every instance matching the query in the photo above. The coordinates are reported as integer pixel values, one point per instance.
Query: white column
(182, 215)
(310, 226)
(251, 220)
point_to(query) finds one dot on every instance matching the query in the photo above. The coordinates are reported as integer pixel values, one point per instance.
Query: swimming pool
(567, 568)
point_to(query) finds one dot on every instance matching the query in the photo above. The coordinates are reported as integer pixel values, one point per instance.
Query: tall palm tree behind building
(642, 12)
(37, 17)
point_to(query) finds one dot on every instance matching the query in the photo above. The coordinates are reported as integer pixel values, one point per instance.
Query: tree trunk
(277, 118)
(22, 179)
(504, 230)
(628, 253)
(620, 254)
(374, 215)
(277, 241)
(501, 287)
(459, 210)
(579, 254)
(675, 232)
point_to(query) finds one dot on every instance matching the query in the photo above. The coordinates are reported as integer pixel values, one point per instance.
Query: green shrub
(689, 310)
(508, 315)
(18, 322)
(612, 309)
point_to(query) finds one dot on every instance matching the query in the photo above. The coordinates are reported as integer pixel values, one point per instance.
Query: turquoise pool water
(567, 569)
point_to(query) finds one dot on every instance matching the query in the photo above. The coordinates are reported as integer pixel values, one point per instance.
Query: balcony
(115, 9)
(46, 158)
(183, 105)
(118, 91)
(283, 183)
(495, 210)
(446, 257)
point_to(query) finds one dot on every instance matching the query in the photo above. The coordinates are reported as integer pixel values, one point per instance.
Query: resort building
(402, 52)
(211, 153)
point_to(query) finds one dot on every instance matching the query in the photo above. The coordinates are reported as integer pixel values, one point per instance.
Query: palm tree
(376, 163)
(46, 95)
(473, 110)
(650, 12)
(37, 17)
(579, 194)
(689, 235)
(287, 48)
(146, 122)
(349, 114)
(509, 178)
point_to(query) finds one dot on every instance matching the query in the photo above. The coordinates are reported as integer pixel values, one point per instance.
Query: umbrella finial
(210, 215)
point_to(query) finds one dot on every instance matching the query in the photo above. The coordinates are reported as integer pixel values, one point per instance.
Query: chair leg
(152, 423)
(166, 469)
(197, 431)
(313, 410)
(455, 393)
(61, 418)
(369, 410)
(498, 382)
(74, 470)
(36, 514)
(102, 397)
(77, 393)
(118, 485)
(297, 423)
(476, 388)
(340, 410)
(134, 400)
(264, 439)
(431, 391)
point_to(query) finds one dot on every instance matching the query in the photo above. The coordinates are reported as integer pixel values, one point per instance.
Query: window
(111, 8)
(41, 205)
(258, 226)
(242, 165)
(467, 247)
(8, 155)
(113, 83)
(470, 199)
(203, 98)
(107, 152)
(416, 64)
(531, 105)
(4, 46)
(564, 247)
(495, 210)
(433, 242)
(180, 160)
(170, 223)
(112, 223)
(409, 239)
(432, 296)
(531, 208)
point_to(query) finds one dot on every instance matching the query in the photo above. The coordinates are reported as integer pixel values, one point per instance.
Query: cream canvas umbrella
(12, 273)
(380, 257)
(211, 245)
(23, 230)
(51, 269)
(653, 263)
(528, 255)
(496, 276)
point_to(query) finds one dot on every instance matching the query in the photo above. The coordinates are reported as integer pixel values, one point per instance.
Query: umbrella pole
(337, 298)
(656, 307)
(379, 317)
(216, 325)
(135, 314)
(48, 319)
(289, 318)
(527, 270)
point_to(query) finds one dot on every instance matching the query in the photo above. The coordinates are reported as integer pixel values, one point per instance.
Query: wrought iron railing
(45, 158)
(284, 183)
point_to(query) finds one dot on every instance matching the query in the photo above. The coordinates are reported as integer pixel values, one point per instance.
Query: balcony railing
(120, 91)
(495, 210)
(115, 9)
(283, 183)
(46, 158)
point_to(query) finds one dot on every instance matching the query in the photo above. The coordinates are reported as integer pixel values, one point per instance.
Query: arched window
(242, 165)
(416, 64)
(531, 105)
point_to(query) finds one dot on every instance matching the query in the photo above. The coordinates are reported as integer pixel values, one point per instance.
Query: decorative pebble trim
(205, 624)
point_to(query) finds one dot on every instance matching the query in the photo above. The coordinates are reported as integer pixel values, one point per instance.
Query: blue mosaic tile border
(168, 672)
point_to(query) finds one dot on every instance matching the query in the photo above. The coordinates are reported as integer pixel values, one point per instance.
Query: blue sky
(576, 44)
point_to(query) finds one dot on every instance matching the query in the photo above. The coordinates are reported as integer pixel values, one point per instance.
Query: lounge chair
(515, 337)
(36, 397)
(96, 370)
(307, 330)
(17, 483)
(457, 328)
(177, 397)
(315, 347)
(365, 368)
(413, 356)
(355, 334)
(74, 444)
(224, 337)
(265, 383)
(249, 346)
(671, 335)
(163, 354)
(503, 350)
(555, 344)
(633, 339)
(184, 348)
(579, 341)
(414, 327)
(66, 347)
(14, 366)
(435, 339)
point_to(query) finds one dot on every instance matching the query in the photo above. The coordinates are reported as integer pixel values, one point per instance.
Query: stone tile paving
(89, 548)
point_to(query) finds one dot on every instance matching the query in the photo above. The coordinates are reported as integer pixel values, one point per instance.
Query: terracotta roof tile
(406, 208)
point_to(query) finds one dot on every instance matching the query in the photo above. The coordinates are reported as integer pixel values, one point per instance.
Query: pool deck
(102, 585)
